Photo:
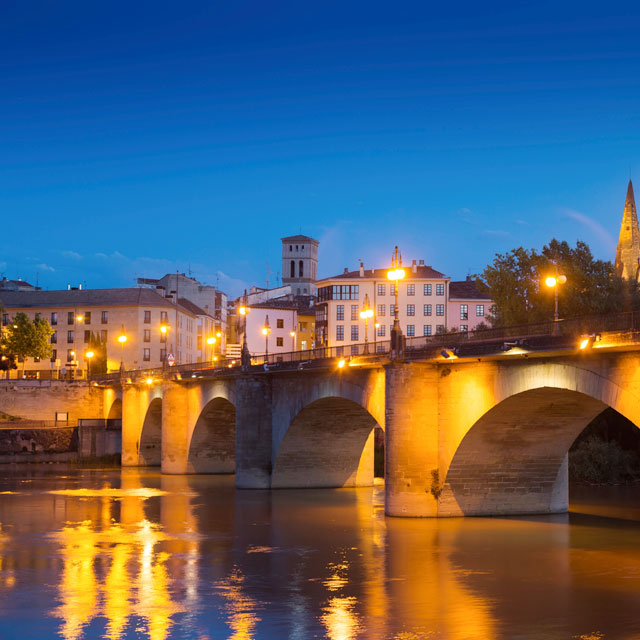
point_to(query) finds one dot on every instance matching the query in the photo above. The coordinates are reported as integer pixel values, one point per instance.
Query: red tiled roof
(423, 272)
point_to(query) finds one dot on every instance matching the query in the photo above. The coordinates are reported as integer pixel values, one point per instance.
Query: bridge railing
(542, 334)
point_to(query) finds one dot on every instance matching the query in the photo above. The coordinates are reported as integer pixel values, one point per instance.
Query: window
(103, 335)
(69, 337)
(480, 310)
(411, 309)
(163, 317)
(147, 317)
(392, 289)
(293, 269)
(439, 328)
(382, 309)
(54, 318)
(302, 326)
(340, 312)
(70, 317)
(426, 330)
(147, 335)
(411, 289)
(439, 309)
(354, 332)
(339, 332)
(427, 289)
(54, 355)
(354, 350)
(382, 330)
(54, 337)
(279, 323)
(163, 355)
(464, 312)
(339, 292)
(427, 310)
(354, 312)
(87, 317)
(381, 289)
(146, 354)
(392, 309)
(70, 355)
(104, 317)
(300, 268)
(439, 289)
(87, 336)
(464, 328)
(279, 342)
(411, 330)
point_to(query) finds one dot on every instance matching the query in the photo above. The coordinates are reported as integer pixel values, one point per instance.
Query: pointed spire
(628, 252)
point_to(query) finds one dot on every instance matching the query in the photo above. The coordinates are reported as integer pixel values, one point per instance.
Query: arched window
(300, 268)
(293, 268)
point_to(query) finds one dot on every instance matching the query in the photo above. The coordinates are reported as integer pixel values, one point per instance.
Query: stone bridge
(463, 435)
(478, 433)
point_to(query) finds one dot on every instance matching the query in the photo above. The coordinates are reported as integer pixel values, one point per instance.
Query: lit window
(464, 328)
(411, 289)
(464, 312)
(382, 309)
(427, 289)
(439, 289)
(381, 289)
(480, 310)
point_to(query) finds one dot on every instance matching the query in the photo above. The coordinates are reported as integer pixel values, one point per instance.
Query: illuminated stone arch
(115, 411)
(212, 446)
(150, 444)
(512, 458)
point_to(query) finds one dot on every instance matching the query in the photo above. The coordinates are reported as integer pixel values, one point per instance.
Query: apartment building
(428, 303)
(138, 314)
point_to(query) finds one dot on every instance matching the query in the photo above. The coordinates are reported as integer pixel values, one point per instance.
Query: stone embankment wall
(41, 399)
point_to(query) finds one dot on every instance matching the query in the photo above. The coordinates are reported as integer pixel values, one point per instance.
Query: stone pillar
(132, 420)
(253, 432)
(412, 481)
(175, 428)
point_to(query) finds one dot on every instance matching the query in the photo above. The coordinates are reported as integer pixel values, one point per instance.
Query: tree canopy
(23, 338)
(515, 282)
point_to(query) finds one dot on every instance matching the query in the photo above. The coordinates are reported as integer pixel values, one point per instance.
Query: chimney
(80, 287)
(361, 269)
(346, 269)
(68, 286)
(414, 267)
(421, 263)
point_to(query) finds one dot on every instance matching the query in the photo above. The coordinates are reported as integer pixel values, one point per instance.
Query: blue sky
(143, 137)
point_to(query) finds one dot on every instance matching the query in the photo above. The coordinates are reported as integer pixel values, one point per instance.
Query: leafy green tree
(25, 338)
(515, 282)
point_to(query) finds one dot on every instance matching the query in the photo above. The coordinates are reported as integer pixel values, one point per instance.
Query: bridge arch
(212, 446)
(150, 444)
(115, 411)
(329, 443)
(512, 457)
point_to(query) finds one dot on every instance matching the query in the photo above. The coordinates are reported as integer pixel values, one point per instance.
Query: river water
(134, 554)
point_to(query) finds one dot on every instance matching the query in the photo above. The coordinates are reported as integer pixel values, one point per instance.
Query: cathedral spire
(628, 252)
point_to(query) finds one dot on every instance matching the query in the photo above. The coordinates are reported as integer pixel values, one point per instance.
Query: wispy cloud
(72, 254)
(44, 267)
(603, 235)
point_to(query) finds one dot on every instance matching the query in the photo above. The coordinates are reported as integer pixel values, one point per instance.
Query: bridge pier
(411, 440)
(175, 428)
(254, 411)
(132, 420)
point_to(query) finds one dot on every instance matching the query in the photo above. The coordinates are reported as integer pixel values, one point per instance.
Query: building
(209, 299)
(16, 285)
(628, 251)
(137, 313)
(428, 303)
(300, 264)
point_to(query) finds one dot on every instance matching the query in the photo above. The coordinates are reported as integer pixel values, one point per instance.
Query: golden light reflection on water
(241, 608)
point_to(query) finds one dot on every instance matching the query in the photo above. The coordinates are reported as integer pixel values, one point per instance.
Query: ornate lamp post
(212, 342)
(88, 355)
(554, 282)
(122, 338)
(293, 340)
(365, 314)
(245, 356)
(396, 273)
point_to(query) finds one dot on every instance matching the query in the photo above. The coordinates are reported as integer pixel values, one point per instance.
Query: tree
(515, 283)
(25, 338)
(99, 348)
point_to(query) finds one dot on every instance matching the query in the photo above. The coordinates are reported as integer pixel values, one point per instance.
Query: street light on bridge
(122, 338)
(396, 273)
(554, 282)
(365, 314)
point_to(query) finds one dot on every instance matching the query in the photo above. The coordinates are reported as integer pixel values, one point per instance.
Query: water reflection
(140, 555)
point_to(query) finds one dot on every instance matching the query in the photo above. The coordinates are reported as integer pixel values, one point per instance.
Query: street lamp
(164, 332)
(122, 338)
(212, 342)
(293, 340)
(396, 273)
(245, 356)
(88, 355)
(266, 330)
(365, 314)
(554, 282)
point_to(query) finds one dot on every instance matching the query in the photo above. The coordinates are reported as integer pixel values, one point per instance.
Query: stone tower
(628, 252)
(300, 264)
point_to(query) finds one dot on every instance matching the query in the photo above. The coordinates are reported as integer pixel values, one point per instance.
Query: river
(134, 554)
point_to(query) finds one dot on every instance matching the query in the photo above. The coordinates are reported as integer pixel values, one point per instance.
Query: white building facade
(425, 305)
